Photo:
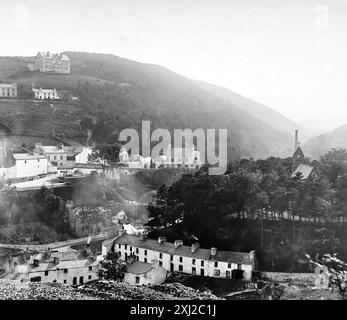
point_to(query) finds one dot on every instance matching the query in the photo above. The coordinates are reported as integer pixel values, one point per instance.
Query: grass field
(32, 122)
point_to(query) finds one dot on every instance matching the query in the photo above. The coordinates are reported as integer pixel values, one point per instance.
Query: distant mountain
(321, 144)
(263, 113)
(128, 92)
(318, 126)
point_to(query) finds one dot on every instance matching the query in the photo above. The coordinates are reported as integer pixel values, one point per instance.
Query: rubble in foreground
(111, 290)
(99, 290)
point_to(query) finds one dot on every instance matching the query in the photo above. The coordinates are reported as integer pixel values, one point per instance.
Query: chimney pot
(195, 246)
(178, 243)
(56, 260)
(161, 239)
(213, 251)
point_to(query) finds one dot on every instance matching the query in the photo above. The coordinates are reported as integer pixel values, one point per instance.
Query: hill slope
(139, 91)
(321, 144)
(263, 113)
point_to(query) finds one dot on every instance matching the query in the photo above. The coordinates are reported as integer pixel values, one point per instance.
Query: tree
(113, 266)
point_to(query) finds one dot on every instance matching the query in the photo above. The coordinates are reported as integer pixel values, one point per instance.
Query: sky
(289, 55)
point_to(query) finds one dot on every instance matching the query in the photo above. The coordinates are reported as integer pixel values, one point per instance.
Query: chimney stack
(213, 251)
(178, 243)
(296, 140)
(195, 246)
(56, 260)
(161, 239)
(36, 262)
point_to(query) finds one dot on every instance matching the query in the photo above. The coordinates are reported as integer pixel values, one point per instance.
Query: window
(145, 260)
(55, 157)
(74, 281)
(65, 270)
(202, 263)
(216, 264)
(119, 246)
(46, 273)
(180, 268)
(137, 280)
(239, 267)
(193, 270)
(61, 157)
(160, 263)
(64, 281)
(90, 268)
(216, 272)
(119, 253)
(25, 161)
(145, 252)
(89, 277)
(171, 257)
(160, 256)
(181, 259)
(81, 280)
(131, 248)
(193, 261)
(229, 265)
(125, 247)
(137, 250)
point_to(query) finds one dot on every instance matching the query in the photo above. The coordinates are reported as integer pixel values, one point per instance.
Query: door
(74, 281)
(81, 280)
(202, 272)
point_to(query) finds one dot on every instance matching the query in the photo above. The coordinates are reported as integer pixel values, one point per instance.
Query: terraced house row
(187, 259)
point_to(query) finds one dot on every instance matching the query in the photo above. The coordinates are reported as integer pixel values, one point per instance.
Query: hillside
(263, 113)
(129, 92)
(321, 144)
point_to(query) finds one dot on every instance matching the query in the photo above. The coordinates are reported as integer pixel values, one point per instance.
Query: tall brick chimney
(296, 140)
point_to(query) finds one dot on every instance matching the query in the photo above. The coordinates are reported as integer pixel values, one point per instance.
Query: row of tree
(254, 189)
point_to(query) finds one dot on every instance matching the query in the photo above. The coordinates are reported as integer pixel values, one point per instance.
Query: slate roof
(28, 156)
(304, 169)
(138, 267)
(7, 85)
(184, 251)
(63, 264)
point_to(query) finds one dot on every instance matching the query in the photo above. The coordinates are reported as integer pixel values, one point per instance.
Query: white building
(8, 90)
(141, 273)
(51, 62)
(177, 257)
(46, 94)
(64, 157)
(68, 271)
(186, 157)
(29, 165)
(135, 161)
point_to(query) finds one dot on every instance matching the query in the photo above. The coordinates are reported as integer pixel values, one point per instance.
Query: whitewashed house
(8, 90)
(141, 273)
(135, 161)
(30, 164)
(187, 259)
(64, 157)
(186, 157)
(46, 94)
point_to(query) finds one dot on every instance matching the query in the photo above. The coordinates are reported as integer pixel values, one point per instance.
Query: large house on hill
(8, 90)
(187, 259)
(52, 62)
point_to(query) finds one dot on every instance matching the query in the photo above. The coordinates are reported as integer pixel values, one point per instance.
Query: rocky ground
(110, 290)
(100, 290)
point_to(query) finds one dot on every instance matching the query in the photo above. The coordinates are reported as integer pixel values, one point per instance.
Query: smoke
(89, 133)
